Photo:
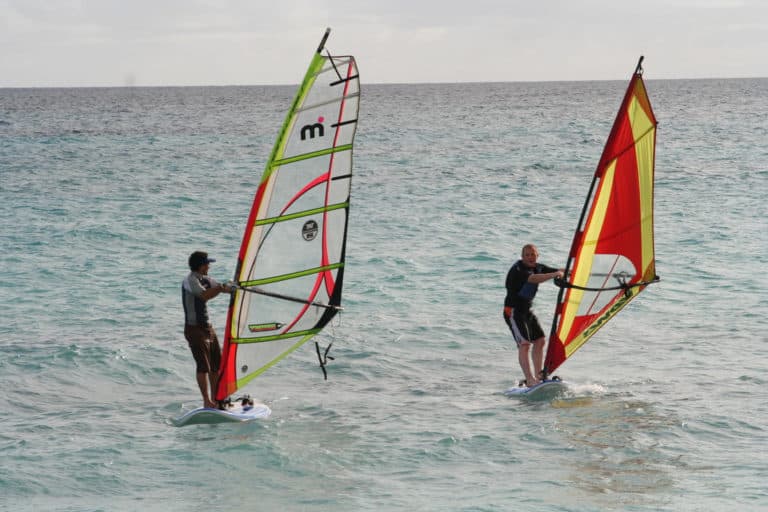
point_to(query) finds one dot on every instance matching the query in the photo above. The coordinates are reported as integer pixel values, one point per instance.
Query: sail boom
(609, 288)
(292, 299)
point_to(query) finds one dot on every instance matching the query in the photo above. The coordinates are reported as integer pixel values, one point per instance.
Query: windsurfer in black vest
(522, 283)
(196, 290)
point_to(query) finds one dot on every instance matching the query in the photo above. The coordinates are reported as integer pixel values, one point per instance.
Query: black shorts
(524, 325)
(204, 346)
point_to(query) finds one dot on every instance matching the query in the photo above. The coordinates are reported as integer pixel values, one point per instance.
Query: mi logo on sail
(309, 230)
(312, 129)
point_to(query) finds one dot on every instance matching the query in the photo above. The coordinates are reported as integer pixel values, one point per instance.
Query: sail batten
(294, 244)
(307, 156)
(305, 213)
(612, 256)
(264, 339)
(293, 275)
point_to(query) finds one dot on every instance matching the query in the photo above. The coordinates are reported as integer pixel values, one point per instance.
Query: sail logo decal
(264, 327)
(311, 129)
(309, 230)
(610, 313)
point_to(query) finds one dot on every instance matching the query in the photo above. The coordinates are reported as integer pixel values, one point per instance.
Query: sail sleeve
(291, 262)
(612, 254)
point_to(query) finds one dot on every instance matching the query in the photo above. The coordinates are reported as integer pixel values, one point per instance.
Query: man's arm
(214, 290)
(540, 278)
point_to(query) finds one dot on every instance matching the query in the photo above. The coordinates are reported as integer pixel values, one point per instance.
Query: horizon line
(158, 86)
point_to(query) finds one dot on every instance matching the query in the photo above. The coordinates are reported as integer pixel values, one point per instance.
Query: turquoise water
(105, 192)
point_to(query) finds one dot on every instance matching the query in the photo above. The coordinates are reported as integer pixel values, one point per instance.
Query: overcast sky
(68, 43)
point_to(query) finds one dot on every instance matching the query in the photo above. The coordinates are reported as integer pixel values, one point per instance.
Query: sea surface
(105, 192)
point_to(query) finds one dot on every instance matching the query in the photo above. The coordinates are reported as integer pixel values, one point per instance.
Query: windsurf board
(235, 413)
(545, 390)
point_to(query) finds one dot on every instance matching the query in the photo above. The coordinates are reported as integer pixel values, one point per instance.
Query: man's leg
(202, 382)
(213, 378)
(538, 357)
(523, 356)
(214, 357)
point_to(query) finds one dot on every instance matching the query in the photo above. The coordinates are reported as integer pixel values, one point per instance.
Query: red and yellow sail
(612, 255)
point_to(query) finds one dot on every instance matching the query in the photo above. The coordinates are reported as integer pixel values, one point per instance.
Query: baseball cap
(198, 259)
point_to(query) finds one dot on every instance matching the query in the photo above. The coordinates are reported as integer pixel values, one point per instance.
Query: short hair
(197, 259)
(529, 246)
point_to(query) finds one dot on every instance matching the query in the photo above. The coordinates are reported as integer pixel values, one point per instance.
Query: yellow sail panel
(582, 270)
(644, 132)
(612, 256)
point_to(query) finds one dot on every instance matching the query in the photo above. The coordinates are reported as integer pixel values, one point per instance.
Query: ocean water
(105, 192)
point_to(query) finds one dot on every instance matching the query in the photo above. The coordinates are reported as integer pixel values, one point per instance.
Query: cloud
(203, 42)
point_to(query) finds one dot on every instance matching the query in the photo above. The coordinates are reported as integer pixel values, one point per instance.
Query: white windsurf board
(235, 413)
(545, 390)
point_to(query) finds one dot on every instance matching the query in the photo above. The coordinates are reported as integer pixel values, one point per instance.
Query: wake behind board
(546, 390)
(235, 413)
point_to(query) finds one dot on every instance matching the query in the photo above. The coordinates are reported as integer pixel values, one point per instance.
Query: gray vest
(195, 309)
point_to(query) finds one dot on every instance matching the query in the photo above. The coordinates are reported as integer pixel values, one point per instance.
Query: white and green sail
(291, 262)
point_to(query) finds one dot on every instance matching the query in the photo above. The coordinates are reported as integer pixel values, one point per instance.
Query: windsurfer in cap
(197, 289)
(522, 283)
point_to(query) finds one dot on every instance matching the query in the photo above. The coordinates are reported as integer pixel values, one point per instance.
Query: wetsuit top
(520, 292)
(195, 310)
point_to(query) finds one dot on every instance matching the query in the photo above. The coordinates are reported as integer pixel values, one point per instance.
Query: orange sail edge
(226, 383)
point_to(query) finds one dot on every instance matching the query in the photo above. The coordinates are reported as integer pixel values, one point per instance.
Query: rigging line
(330, 58)
(323, 358)
(621, 278)
(259, 291)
